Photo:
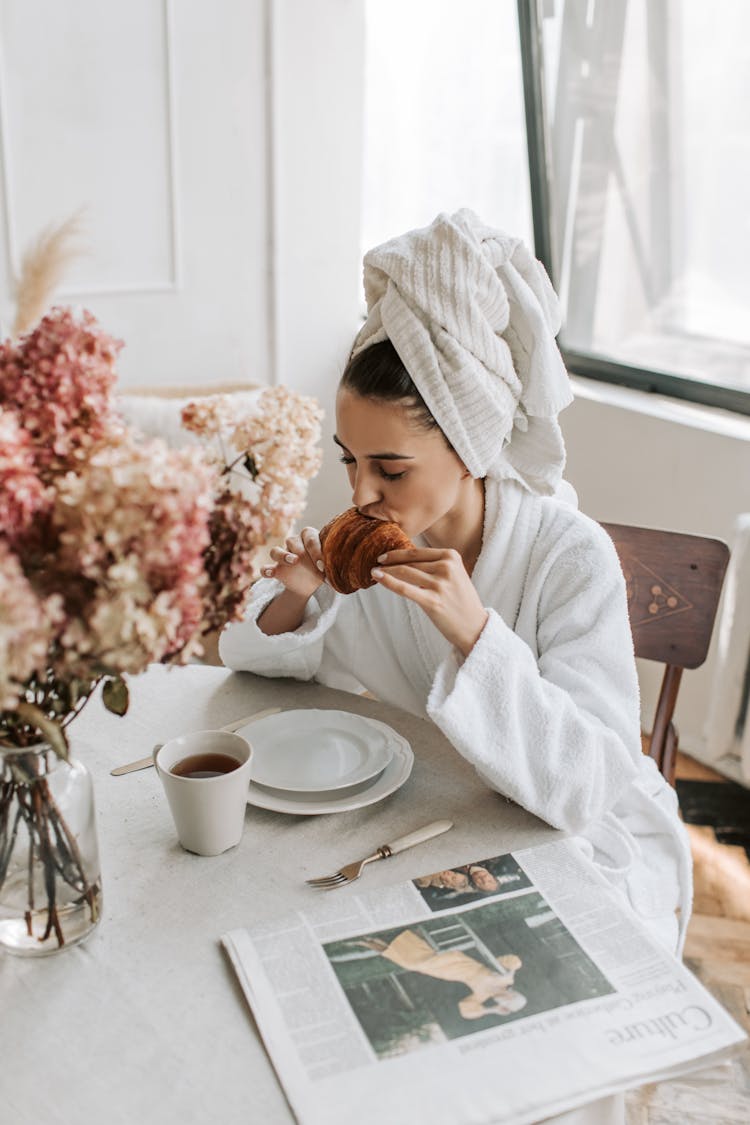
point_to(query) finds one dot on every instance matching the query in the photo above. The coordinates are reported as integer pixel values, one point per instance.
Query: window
(635, 174)
(646, 157)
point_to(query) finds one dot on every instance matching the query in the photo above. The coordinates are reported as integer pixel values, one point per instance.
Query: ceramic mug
(208, 811)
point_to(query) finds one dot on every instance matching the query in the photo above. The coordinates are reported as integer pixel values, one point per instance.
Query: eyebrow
(378, 456)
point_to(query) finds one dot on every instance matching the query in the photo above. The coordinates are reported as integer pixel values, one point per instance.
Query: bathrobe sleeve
(307, 653)
(557, 731)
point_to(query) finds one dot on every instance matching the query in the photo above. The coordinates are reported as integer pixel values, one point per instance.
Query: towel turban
(473, 317)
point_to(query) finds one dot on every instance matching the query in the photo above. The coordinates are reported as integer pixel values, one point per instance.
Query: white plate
(316, 751)
(310, 804)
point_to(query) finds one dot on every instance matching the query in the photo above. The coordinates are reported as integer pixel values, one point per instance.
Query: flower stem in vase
(50, 892)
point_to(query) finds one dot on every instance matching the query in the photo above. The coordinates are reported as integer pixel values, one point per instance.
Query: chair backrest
(673, 583)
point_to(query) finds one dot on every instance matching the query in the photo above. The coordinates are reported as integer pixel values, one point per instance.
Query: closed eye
(386, 476)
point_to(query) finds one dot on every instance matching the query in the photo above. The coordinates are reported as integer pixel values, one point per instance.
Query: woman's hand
(299, 565)
(436, 579)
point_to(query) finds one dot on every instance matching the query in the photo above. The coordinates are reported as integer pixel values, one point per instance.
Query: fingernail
(382, 558)
(376, 573)
(290, 558)
(320, 566)
(268, 571)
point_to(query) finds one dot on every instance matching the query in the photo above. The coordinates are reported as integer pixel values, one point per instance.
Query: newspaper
(502, 991)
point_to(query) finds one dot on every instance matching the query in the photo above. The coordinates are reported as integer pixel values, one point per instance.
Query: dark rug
(722, 805)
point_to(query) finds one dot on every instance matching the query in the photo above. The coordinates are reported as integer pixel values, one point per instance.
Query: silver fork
(351, 871)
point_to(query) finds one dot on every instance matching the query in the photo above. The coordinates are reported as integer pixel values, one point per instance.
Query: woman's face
(396, 470)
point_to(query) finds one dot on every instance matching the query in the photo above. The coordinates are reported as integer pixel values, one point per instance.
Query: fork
(351, 871)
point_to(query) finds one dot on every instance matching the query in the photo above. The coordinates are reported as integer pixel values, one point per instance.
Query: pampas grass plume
(42, 269)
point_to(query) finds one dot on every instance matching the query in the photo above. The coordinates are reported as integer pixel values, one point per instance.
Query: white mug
(208, 812)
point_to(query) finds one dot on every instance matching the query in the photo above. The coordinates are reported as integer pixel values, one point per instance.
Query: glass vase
(50, 883)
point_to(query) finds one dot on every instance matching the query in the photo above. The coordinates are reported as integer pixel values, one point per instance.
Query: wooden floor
(718, 952)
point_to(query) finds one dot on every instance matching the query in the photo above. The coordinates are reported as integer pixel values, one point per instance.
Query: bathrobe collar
(511, 523)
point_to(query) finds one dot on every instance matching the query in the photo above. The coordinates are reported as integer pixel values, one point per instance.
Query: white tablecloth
(144, 1022)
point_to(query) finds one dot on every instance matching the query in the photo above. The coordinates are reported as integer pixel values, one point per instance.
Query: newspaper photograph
(524, 973)
(448, 977)
(472, 882)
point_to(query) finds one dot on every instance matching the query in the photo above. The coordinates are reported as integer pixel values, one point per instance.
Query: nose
(366, 489)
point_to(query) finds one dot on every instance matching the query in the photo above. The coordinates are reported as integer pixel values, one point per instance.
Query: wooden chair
(673, 584)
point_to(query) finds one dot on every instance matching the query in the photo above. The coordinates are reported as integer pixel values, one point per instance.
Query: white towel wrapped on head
(473, 317)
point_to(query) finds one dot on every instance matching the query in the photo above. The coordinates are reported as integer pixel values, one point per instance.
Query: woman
(507, 623)
(491, 991)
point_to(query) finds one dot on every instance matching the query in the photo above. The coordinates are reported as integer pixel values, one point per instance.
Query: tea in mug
(198, 766)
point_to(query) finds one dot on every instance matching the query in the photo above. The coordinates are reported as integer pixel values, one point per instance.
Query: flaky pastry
(351, 544)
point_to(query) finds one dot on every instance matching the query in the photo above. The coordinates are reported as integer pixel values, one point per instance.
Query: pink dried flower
(115, 552)
(60, 379)
(22, 494)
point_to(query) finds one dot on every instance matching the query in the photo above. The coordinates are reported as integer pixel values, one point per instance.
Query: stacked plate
(309, 762)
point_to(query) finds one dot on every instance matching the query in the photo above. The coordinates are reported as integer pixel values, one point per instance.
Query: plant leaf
(52, 731)
(115, 696)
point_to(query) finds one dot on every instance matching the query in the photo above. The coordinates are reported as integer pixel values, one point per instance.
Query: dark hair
(378, 372)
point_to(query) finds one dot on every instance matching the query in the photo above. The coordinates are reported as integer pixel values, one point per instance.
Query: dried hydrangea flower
(27, 625)
(131, 530)
(22, 494)
(60, 379)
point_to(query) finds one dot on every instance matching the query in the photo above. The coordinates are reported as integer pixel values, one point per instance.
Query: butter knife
(144, 763)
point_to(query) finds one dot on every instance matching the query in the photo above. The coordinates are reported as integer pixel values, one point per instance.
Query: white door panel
(150, 115)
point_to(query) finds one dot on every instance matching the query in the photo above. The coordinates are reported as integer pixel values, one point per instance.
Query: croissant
(351, 544)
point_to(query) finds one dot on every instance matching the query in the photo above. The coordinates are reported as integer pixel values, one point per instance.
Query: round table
(144, 1022)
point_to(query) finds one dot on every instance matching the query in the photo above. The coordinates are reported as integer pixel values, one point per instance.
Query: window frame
(588, 364)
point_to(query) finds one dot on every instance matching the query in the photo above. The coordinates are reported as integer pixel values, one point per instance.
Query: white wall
(218, 156)
(318, 91)
(644, 459)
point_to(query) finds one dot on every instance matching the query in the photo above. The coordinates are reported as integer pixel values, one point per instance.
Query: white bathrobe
(546, 705)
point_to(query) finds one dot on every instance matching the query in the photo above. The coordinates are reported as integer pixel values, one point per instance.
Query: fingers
(409, 582)
(423, 576)
(297, 549)
(418, 555)
(311, 544)
(295, 545)
(283, 556)
(415, 592)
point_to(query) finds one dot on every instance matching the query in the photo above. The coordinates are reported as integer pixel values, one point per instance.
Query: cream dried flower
(27, 626)
(280, 450)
